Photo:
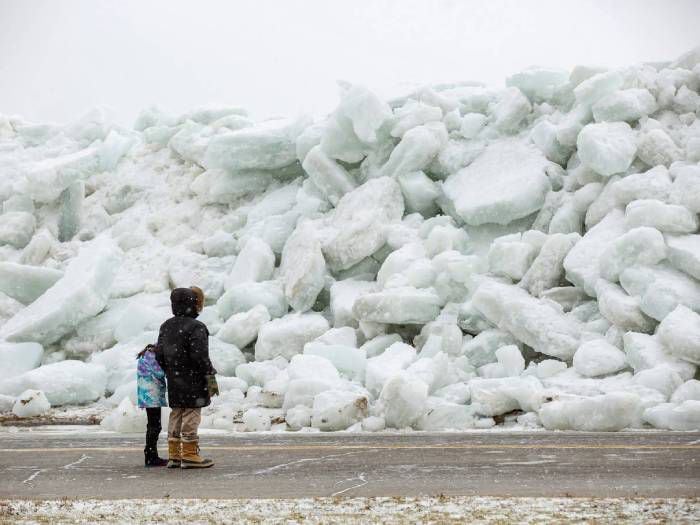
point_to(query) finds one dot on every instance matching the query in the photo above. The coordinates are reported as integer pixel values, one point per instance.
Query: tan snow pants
(184, 423)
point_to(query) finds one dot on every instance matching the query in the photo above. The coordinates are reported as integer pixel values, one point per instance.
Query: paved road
(41, 464)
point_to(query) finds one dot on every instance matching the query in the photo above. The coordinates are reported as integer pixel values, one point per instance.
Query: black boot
(152, 459)
(151, 451)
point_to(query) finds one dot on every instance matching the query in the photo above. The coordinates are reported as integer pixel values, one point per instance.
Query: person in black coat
(183, 353)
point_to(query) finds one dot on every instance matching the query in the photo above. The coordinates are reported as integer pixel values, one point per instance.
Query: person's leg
(174, 435)
(153, 429)
(190, 440)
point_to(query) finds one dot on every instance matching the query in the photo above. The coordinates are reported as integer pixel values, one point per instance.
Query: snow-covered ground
(443, 509)
(448, 259)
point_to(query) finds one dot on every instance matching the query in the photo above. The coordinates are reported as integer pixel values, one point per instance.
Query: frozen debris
(497, 396)
(418, 147)
(537, 83)
(16, 228)
(79, 295)
(626, 105)
(510, 110)
(594, 88)
(582, 264)
(287, 336)
(690, 390)
(505, 183)
(511, 259)
(622, 310)
(641, 245)
(31, 403)
(18, 358)
(680, 334)
(645, 351)
(45, 180)
(531, 321)
(303, 268)
(481, 350)
(224, 356)
(667, 218)
(64, 383)
(489, 228)
(26, 283)
(413, 114)
(404, 305)
(338, 409)
(390, 362)
(656, 147)
(349, 361)
(404, 399)
(683, 253)
(242, 328)
(674, 416)
(685, 189)
(603, 413)
(661, 289)
(663, 378)
(652, 184)
(343, 295)
(126, 418)
(607, 148)
(597, 358)
(357, 225)
(269, 145)
(329, 176)
(420, 193)
(245, 296)
(547, 270)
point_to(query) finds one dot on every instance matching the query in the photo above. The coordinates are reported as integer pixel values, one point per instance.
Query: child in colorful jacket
(150, 386)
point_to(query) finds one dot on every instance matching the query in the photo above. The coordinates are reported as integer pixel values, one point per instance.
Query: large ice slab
(661, 289)
(680, 333)
(357, 225)
(268, 145)
(667, 218)
(303, 268)
(532, 321)
(287, 336)
(674, 416)
(18, 358)
(642, 245)
(607, 148)
(597, 358)
(403, 305)
(45, 180)
(79, 295)
(255, 263)
(603, 413)
(683, 252)
(64, 383)
(582, 261)
(505, 183)
(26, 283)
(329, 176)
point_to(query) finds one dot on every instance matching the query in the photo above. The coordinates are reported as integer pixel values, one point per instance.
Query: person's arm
(159, 350)
(199, 351)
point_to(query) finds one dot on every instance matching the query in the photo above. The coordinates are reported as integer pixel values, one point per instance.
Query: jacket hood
(184, 302)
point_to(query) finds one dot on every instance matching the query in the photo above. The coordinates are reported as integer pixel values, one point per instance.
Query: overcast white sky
(58, 58)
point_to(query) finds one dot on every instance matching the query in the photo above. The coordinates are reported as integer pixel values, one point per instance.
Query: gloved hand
(212, 386)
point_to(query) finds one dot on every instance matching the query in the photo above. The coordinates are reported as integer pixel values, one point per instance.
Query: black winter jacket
(183, 353)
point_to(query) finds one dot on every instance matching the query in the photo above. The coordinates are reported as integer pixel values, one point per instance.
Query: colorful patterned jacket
(150, 382)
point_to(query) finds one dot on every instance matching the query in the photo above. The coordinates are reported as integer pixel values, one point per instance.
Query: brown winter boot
(174, 453)
(191, 457)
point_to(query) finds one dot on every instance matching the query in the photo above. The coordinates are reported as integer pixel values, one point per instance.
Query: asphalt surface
(55, 464)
